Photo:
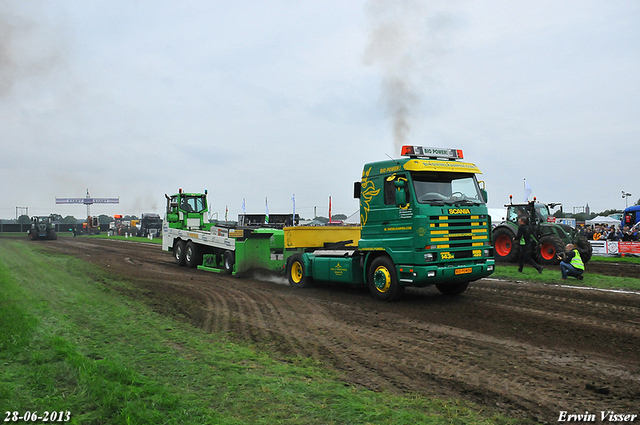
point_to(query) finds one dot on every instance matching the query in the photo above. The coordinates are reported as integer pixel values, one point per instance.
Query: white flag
(527, 191)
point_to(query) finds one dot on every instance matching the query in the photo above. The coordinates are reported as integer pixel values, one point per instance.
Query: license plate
(464, 271)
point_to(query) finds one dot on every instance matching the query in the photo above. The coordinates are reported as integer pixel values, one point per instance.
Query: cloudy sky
(256, 100)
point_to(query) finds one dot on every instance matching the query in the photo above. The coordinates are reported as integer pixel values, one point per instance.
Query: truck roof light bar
(425, 152)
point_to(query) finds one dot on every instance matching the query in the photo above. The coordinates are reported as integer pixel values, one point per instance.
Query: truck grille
(457, 232)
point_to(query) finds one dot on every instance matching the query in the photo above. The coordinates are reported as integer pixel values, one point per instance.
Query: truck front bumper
(444, 273)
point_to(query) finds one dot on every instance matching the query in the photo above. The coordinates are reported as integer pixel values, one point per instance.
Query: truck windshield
(446, 188)
(192, 204)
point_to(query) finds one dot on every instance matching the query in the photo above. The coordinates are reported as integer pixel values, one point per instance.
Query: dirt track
(529, 350)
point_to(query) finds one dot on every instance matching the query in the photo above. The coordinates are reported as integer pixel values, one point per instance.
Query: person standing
(572, 264)
(524, 239)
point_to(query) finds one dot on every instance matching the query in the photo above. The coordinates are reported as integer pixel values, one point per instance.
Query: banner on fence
(615, 247)
(629, 247)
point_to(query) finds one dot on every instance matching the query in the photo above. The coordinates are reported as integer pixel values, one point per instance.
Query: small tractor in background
(42, 227)
(549, 238)
(91, 226)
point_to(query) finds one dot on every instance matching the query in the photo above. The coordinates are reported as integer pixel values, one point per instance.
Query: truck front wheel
(452, 289)
(383, 280)
(296, 272)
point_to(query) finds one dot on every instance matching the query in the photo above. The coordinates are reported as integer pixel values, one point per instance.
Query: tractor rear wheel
(505, 247)
(584, 248)
(548, 249)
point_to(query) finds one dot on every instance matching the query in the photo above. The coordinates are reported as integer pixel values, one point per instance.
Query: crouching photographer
(571, 264)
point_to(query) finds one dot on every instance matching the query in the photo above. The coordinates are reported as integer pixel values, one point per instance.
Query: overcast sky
(260, 100)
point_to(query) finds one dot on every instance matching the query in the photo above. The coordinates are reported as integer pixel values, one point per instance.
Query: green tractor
(42, 227)
(550, 238)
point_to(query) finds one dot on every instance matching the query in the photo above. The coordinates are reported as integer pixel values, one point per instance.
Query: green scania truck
(423, 221)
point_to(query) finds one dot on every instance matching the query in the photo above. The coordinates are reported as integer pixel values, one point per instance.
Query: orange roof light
(407, 150)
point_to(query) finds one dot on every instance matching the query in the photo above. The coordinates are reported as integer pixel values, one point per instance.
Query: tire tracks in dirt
(528, 349)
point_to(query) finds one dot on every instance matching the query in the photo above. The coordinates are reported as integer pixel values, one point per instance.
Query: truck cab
(426, 214)
(150, 225)
(188, 211)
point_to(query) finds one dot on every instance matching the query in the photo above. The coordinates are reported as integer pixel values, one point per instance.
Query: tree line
(57, 218)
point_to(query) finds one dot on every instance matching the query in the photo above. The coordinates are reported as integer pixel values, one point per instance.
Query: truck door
(397, 217)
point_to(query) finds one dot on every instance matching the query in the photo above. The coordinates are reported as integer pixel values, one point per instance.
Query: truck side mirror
(401, 192)
(357, 188)
(484, 195)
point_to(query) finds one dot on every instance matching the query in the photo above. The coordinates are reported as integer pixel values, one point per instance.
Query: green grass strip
(70, 341)
(551, 274)
(616, 259)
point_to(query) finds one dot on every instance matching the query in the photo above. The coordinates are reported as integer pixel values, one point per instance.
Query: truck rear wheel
(383, 280)
(548, 249)
(296, 272)
(228, 260)
(192, 255)
(178, 252)
(452, 289)
(505, 248)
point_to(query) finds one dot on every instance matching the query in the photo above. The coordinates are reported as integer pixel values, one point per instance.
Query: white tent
(602, 220)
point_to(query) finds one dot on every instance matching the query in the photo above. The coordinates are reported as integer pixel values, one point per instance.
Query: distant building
(587, 210)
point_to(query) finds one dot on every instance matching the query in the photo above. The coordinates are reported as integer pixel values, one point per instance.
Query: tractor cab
(187, 210)
(536, 212)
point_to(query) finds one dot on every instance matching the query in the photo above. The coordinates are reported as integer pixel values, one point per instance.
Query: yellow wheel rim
(382, 279)
(296, 272)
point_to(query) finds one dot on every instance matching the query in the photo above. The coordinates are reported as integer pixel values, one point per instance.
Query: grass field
(70, 343)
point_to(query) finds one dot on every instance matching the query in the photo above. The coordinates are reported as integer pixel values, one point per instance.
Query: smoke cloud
(32, 46)
(406, 38)
(7, 64)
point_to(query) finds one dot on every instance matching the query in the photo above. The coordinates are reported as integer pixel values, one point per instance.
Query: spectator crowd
(611, 233)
